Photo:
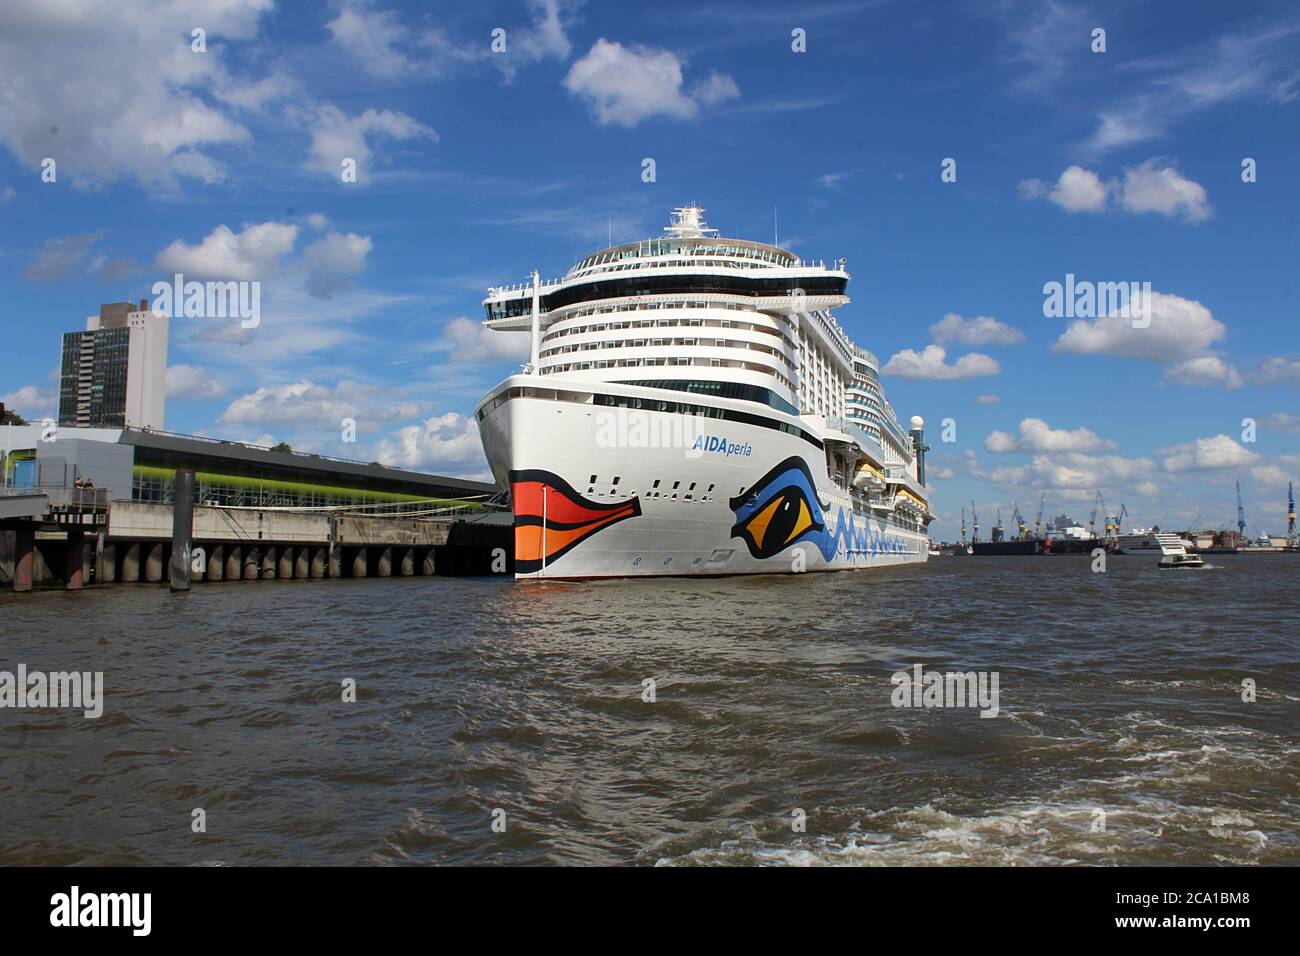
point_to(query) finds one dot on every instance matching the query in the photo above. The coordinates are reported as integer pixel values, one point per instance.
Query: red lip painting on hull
(551, 518)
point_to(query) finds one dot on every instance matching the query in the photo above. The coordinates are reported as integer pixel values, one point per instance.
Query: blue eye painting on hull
(783, 509)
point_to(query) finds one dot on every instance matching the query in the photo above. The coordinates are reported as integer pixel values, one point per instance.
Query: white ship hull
(744, 502)
(1138, 544)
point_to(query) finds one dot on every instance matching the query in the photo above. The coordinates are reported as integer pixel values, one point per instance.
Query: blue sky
(475, 167)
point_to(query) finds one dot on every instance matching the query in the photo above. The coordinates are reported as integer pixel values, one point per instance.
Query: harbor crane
(1292, 541)
(1118, 527)
(1241, 515)
(974, 524)
(963, 527)
(1019, 519)
(1038, 519)
(997, 528)
(1097, 503)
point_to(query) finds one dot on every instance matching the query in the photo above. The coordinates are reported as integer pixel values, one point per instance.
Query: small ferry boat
(1173, 553)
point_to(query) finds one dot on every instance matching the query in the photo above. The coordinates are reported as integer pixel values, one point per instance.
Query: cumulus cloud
(981, 330)
(1078, 472)
(1207, 454)
(1037, 436)
(467, 341)
(336, 136)
(380, 44)
(307, 403)
(1205, 370)
(1282, 421)
(254, 253)
(1076, 190)
(1180, 329)
(332, 262)
(1162, 189)
(625, 85)
(31, 402)
(1155, 186)
(930, 364)
(121, 96)
(1278, 369)
(57, 258)
(987, 400)
(448, 443)
(192, 382)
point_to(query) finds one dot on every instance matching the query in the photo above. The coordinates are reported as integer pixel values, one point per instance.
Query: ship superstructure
(692, 406)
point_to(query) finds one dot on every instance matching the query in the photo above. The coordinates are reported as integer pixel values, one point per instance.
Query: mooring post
(182, 528)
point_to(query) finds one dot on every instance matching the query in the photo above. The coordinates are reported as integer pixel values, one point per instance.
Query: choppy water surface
(1119, 692)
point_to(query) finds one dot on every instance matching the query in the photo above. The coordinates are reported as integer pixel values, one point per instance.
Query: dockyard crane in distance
(1241, 515)
(974, 524)
(1019, 519)
(1092, 518)
(963, 527)
(1038, 519)
(997, 528)
(1291, 540)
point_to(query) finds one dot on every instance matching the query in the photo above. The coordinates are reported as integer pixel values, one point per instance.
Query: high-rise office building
(114, 374)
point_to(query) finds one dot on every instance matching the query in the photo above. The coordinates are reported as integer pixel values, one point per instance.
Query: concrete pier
(360, 563)
(24, 559)
(407, 567)
(75, 561)
(153, 563)
(318, 561)
(234, 562)
(284, 570)
(384, 565)
(216, 563)
(131, 563)
(106, 566)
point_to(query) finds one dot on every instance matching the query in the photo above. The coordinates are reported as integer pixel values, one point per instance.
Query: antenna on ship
(688, 223)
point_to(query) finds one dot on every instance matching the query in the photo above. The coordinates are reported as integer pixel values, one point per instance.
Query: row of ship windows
(656, 490)
(563, 315)
(644, 343)
(651, 362)
(670, 323)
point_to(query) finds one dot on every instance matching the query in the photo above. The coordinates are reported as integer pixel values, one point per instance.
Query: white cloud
(1278, 369)
(121, 95)
(333, 260)
(306, 403)
(1079, 190)
(1037, 436)
(1155, 186)
(987, 400)
(192, 383)
(930, 364)
(7, 194)
(335, 136)
(1207, 454)
(1152, 187)
(467, 341)
(624, 85)
(57, 258)
(981, 330)
(1180, 329)
(372, 38)
(1283, 422)
(223, 254)
(1206, 370)
(1078, 472)
(448, 443)
(715, 88)
(31, 403)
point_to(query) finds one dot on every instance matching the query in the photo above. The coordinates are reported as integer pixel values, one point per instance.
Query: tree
(10, 418)
(283, 446)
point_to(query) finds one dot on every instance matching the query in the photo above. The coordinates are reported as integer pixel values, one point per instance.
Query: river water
(1121, 735)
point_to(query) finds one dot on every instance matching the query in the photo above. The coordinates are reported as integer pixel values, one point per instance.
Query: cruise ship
(692, 407)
